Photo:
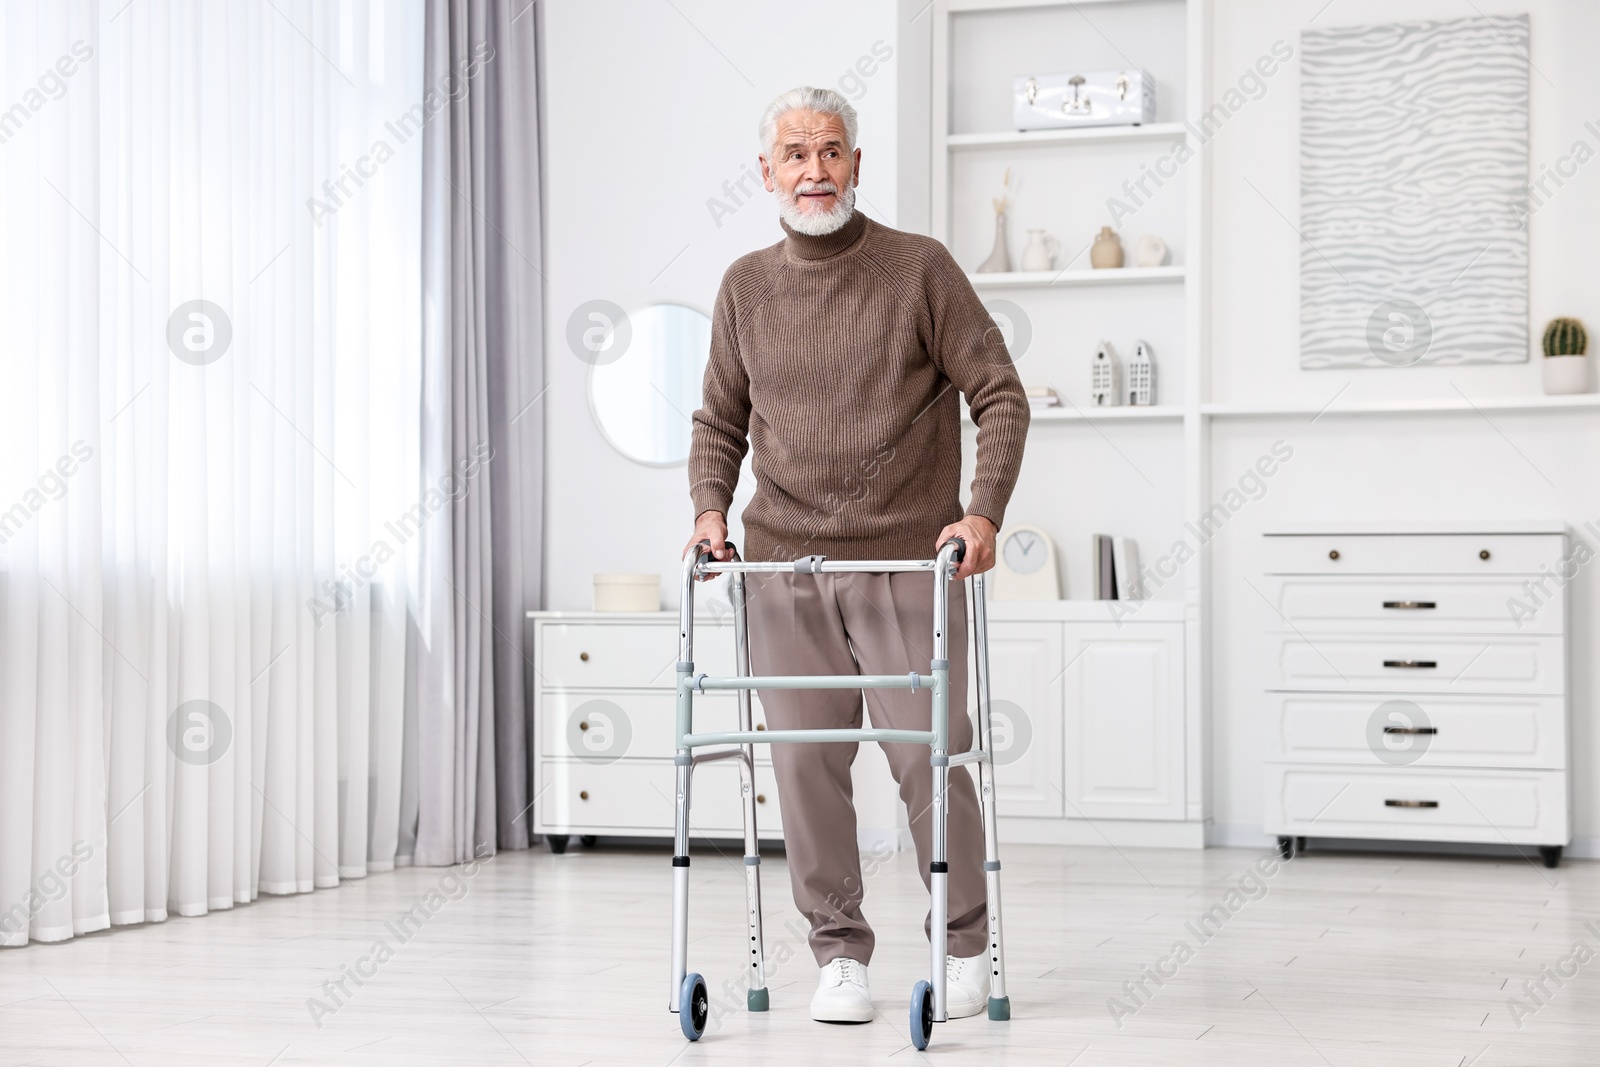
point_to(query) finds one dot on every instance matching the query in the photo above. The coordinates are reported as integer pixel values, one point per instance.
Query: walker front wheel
(693, 1006)
(921, 1014)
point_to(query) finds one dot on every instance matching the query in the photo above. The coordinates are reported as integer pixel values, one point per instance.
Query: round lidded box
(627, 592)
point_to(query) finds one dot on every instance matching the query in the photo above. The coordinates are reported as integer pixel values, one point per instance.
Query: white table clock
(1026, 567)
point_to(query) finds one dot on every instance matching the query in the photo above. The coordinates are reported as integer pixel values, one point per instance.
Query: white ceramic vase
(1566, 374)
(999, 261)
(1040, 253)
(1149, 251)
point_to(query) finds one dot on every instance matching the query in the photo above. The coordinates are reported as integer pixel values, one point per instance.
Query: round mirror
(644, 400)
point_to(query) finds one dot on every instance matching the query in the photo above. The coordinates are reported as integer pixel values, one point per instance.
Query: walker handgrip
(734, 549)
(961, 548)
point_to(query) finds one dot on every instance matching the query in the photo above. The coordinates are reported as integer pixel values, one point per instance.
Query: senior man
(839, 352)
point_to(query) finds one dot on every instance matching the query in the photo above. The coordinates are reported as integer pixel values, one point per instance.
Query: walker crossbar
(778, 737)
(711, 568)
(722, 753)
(688, 995)
(815, 681)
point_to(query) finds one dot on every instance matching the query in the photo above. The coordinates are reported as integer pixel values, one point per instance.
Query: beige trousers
(871, 623)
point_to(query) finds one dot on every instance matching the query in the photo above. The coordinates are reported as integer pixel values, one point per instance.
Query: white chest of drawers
(1416, 684)
(603, 729)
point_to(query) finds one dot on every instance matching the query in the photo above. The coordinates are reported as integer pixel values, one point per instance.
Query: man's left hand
(979, 534)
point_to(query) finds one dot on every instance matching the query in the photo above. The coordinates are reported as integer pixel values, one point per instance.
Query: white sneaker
(842, 995)
(966, 985)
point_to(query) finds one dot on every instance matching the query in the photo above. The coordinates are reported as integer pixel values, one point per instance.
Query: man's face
(811, 166)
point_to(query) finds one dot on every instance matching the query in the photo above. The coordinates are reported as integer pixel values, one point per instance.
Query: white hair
(806, 98)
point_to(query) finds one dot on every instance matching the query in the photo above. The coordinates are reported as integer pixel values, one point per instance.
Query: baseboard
(1138, 833)
(1239, 835)
(1119, 833)
(878, 839)
(1250, 835)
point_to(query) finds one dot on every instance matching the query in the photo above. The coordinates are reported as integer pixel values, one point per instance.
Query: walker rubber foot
(755, 999)
(1000, 1009)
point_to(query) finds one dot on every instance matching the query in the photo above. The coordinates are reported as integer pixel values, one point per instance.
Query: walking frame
(688, 993)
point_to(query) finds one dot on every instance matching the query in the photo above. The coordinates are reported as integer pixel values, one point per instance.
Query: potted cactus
(1566, 367)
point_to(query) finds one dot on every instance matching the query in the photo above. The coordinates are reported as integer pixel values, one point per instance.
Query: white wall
(1456, 466)
(610, 130)
(648, 113)
(649, 109)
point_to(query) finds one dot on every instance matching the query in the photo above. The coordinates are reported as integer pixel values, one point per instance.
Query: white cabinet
(1416, 686)
(604, 716)
(1124, 721)
(1089, 726)
(1026, 717)
(1091, 738)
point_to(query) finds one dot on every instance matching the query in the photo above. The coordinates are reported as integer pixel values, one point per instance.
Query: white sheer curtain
(210, 314)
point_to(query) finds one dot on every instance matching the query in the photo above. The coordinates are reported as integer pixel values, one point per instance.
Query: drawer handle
(1411, 803)
(1333, 553)
(1410, 605)
(583, 794)
(583, 726)
(761, 798)
(1483, 553)
(1412, 664)
(761, 726)
(584, 656)
(1429, 730)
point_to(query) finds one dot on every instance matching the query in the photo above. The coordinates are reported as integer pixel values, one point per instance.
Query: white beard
(811, 222)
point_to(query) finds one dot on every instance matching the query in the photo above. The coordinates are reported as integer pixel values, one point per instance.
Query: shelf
(1156, 131)
(1067, 279)
(1445, 405)
(1127, 412)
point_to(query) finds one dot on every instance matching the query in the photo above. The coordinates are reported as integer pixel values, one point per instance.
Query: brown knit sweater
(841, 357)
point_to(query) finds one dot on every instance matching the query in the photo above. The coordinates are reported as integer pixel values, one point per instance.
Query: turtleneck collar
(805, 246)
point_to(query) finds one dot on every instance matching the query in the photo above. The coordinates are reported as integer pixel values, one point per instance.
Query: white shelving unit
(1152, 663)
(1159, 458)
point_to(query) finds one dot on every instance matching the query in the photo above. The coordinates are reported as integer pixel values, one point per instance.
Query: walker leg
(680, 888)
(999, 1001)
(756, 997)
(684, 765)
(938, 933)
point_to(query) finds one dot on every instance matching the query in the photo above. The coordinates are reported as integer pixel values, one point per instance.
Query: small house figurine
(1106, 384)
(1141, 376)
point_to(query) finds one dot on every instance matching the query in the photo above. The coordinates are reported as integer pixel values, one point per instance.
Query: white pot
(1566, 374)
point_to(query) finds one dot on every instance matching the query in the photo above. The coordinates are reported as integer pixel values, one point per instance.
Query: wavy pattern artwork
(1413, 162)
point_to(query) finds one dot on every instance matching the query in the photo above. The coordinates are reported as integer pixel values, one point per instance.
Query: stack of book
(1116, 568)
(1042, 396)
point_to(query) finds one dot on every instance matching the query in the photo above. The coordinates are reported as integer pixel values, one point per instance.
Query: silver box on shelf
(1083, 98)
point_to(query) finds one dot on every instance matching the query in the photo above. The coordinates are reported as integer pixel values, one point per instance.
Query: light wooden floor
(1341, 960)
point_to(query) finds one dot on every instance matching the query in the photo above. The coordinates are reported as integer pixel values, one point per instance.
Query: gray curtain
(482, 430)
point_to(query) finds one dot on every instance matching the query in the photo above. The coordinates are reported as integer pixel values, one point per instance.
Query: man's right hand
(710, 526)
